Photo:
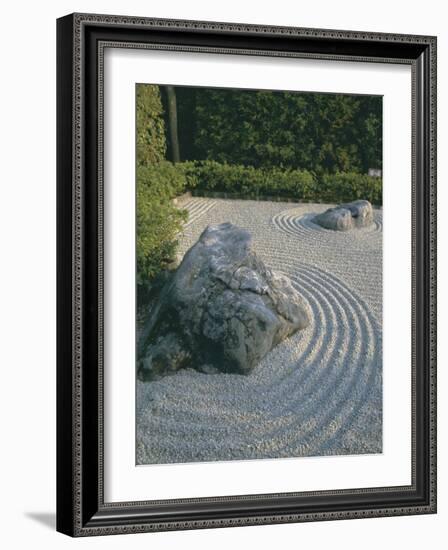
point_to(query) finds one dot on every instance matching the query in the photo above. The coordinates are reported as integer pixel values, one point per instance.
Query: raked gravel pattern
(318, 392)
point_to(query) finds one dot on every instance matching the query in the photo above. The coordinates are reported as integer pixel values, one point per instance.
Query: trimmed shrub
(158, 220)
(346, 187)
(299, 185)
(151, 142)
(249, 181)
(158, 182)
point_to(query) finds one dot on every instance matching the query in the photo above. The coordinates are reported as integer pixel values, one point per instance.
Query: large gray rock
(347, 216)
(222, 311)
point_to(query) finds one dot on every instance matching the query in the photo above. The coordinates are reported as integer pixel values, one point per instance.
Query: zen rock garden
(352, 215)
(222, 310)
(259, 284)
(265, 341)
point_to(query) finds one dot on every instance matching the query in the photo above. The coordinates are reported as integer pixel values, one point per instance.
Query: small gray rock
(337, 219)
(347, 216)
(223, 310)
(362, 212)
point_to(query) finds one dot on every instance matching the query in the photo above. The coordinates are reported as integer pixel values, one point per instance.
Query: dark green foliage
(324, 133)
(151, 142)
(158, 220)
(346, 187)
(249, 181)
(158, 182)
(275, 182)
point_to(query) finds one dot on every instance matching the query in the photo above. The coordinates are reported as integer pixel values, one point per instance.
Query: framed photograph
(246, 274)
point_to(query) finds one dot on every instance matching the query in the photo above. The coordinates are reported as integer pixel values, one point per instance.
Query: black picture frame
(81, 510)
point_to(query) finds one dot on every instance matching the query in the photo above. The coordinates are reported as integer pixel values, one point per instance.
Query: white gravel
(317, 393)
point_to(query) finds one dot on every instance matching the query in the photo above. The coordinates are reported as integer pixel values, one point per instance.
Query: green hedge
(158, 182)
(319, 132)
(150, 135)
(300, 185)
(247, 180)
(345, 187)
(158, 220)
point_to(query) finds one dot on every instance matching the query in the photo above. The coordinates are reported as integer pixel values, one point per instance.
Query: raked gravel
(318, 392)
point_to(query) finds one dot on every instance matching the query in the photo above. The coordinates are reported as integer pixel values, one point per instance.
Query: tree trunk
(172, 123)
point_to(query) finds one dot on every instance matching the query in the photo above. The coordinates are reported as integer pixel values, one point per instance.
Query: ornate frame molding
(81, 42)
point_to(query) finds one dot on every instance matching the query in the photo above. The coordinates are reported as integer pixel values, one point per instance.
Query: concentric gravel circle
(294, 222)
(317, 393)
(197, 208)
